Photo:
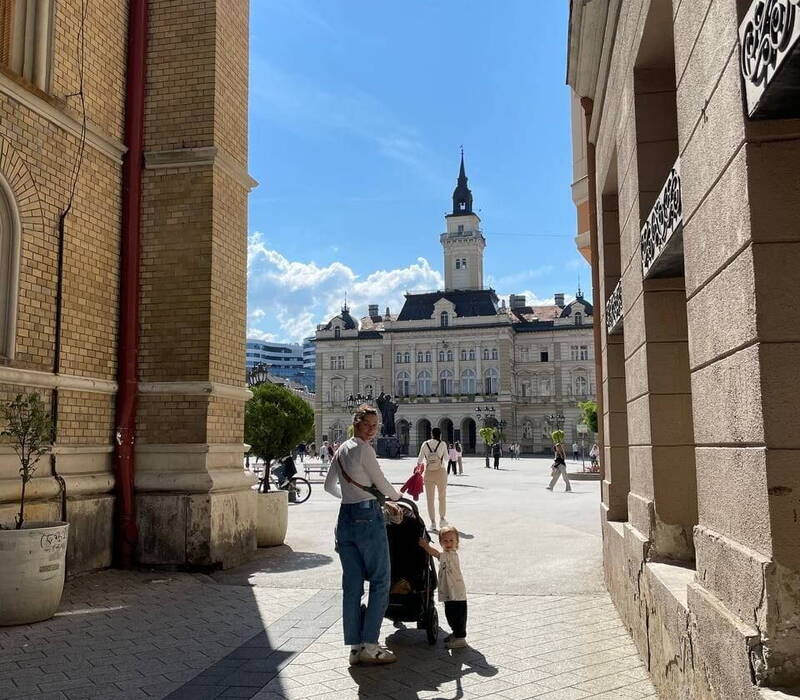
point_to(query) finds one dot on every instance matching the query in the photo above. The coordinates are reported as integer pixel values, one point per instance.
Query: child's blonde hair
(445, 530)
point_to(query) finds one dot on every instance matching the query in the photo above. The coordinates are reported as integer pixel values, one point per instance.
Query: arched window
(9, 269)
(337, 332)
(337, 392)
(472, 354)
(441, 355)
(403, 384)
(398, 358)
(491, 380)
(494, 353)
(527, 430)
(445, 382)
(419, 357)
(458, 264)
(464, 263)
(486, 353)
(468, 381)
(581, 386)
(424, 383)
(444, 319)
(449, 355)
(407, 357)
(546, 387)
(463, 354)
(525, 387)
(427, 356)
(578, 318)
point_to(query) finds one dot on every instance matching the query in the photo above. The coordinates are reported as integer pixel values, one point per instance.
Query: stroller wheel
(432, 626)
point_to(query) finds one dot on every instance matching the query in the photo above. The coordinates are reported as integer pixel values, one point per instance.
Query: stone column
(194, 503)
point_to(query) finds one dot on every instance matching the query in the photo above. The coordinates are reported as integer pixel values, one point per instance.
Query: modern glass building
(283, 360)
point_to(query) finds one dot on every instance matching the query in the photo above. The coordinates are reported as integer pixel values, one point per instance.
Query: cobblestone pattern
(150, 636)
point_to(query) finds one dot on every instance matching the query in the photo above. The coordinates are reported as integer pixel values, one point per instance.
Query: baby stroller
(413, 579)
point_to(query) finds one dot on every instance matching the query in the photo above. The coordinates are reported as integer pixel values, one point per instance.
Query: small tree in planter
(30, 429)
(32, 554)
(489, 437)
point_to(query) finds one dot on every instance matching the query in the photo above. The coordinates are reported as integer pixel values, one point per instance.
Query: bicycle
(283, 477)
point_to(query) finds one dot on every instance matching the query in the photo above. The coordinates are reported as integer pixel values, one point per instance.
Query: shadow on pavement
(280, 559)
(420, 668)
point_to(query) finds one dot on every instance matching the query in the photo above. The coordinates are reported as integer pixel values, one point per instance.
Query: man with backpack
(433, 454)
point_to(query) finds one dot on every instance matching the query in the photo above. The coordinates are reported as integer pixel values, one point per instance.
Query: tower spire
(462, 196)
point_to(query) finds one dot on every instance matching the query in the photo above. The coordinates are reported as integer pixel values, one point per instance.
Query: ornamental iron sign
(769, 39)
(661, 237)
(614, 310)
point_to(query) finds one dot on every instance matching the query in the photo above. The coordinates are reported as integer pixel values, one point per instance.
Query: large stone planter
(31, 571)
(272, 517)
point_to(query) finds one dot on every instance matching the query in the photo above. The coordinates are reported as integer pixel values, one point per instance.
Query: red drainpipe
(126, 534)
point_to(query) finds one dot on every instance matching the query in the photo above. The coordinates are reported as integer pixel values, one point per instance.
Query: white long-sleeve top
(361, 466)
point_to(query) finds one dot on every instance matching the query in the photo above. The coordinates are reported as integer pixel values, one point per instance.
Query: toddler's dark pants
(456, 613)
(451, 465)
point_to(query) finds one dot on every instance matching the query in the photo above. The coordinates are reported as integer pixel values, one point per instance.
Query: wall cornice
(197, 157)
(48, 380)
(223, 391)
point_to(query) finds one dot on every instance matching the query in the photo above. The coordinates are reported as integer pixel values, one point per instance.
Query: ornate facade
(459, 357)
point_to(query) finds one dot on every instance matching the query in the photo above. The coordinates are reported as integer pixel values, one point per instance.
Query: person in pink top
(452, 459)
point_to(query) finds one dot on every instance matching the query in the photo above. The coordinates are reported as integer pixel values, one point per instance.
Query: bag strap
(372, 490)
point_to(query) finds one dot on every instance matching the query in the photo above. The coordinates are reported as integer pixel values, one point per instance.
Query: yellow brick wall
(230, 109)
(85, 418)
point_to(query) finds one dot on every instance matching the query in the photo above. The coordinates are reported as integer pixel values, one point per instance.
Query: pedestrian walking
(460, 451)
(452, 460)
(575, 451)
(559, 468)
(497, 451)
(594, 454)
(517, 450)
(324, 454)
(356, 478)
(452, 591)
(433, 454)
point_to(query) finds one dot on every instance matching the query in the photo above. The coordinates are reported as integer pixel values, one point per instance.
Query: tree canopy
(589, 413)
(275, 421)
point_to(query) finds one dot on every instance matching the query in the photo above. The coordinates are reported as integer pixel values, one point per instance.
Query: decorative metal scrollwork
(614, 309)
(664, 219)
(767, 34)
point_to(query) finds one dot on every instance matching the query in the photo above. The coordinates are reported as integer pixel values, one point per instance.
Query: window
(491, 380)
(403, 384)
(583, 352)
(463, 263)
(445, 382)
(337, 332)
(573, 352)
(441, 355)
(463, 354)
(444, 319)
(406, 357)
(581, 386)
(468, 381)
(525, 388)
(26, 39)
(527, 430)
(494, 353)
(578, 318)
(458, 264)
(525, 353)
(486, 353)
(9, 268)
(449, 355)
(427, 356)
(424, 383)
(472, 354)
(337, 392)
(546, 387)
(543, 356)
(333, 361)
(461, 228)
(419, 357)
(340, 362)
(368, 390)
(398, 358)
(367, 361)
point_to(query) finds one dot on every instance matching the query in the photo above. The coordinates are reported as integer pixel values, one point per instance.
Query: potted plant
(32, 553)
(488, 435)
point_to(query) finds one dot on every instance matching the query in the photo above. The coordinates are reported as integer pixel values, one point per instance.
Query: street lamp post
(485, 414)
(258, 374)
(354, 401)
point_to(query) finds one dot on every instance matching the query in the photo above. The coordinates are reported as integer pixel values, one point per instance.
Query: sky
(358, 109)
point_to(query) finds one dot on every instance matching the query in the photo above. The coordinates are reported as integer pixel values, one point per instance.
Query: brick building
(687, 187)
(66, 83)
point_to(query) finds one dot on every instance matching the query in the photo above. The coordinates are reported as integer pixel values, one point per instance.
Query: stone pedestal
(388, 446)
(272, 517)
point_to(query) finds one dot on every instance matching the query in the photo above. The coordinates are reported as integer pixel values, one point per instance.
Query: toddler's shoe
(455, 642)
(442, 523)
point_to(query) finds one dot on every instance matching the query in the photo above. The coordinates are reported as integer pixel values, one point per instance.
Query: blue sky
(357, 112)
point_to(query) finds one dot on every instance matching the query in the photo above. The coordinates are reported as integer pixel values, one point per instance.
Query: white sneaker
(379, 655)
(355, 656)
(442, 523)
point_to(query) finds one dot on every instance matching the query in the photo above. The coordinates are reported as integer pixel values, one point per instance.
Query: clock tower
(463, 242)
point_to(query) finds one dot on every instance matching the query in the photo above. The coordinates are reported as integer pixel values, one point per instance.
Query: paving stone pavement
(192, 636)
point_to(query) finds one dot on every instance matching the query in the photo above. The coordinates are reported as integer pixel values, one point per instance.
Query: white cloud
(294, 296)
(257, 334)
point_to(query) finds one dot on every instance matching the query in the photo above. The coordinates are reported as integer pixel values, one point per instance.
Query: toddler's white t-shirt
(451, 582)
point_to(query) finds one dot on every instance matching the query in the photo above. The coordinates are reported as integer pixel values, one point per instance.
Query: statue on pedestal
(388, 408)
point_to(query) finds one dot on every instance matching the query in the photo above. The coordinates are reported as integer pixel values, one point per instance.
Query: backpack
(433, 460)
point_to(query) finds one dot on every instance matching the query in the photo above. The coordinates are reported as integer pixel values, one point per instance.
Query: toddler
(452, 590)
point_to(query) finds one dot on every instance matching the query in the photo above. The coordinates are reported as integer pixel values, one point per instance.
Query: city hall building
(687, 152)
(123, 226)
(459, 358)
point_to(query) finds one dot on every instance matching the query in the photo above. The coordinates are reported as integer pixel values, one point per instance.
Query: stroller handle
(409, 504)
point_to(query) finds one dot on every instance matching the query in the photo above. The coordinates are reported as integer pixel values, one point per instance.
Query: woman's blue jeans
(364, 552)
